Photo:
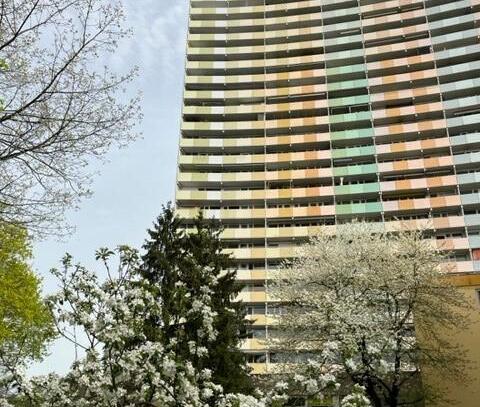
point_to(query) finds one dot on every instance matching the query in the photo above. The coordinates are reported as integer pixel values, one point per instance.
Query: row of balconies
(216, 19)
(449, 244)
(392, 206)
(327, 172)
(379, 85)
(466, 266)
(334, 74)
(293, 195)
(391, 150)
(387, 25)
(452, 56)
(316, 48)
(415, 113)
(383, 134)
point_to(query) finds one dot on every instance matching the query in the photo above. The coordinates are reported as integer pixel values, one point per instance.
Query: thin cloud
(158, 41)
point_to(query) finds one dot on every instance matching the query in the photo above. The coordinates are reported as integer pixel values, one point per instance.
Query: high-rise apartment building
(299, 114)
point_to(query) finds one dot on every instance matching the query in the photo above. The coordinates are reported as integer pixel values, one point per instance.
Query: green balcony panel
(470, 178)
(349, 101)
(352, 134)
(472, 220)
(355, 170)
(474, 241)
(345, 55)
(350, 117)
(470, 199)
(357, 189)
(346, 69)
(353, 152)
(468, 158)
(463, 120)
(358, 83)
(358, 208)
(348, 39)
(465, 139)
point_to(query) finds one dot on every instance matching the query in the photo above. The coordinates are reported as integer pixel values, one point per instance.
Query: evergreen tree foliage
(181, 267)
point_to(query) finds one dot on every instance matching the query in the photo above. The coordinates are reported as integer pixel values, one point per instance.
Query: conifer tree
(181, 267)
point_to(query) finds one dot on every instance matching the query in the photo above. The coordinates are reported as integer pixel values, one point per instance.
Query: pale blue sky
(132, 186)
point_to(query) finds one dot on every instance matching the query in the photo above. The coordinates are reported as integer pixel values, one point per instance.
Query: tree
(25, 321)
(181, 267)
(60, 107)
(121, 367)
(354, 303)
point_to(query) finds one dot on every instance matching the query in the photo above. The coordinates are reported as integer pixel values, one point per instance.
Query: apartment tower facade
(300, 114)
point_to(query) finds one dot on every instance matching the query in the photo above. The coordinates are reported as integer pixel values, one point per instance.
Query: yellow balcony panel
(243, 195)
(259, 368)
(223, 51)
(217, 79)
(227, 94)
(261, 320)
(199, 11)
(221, 160)
(226, 110)
(256, 63)
(262, 253)
(253, 344)
(249, 275)
(238, 177)
(226, 36)
(251, 296)
(221, 143)
(197, 195)
(249, 233)
(241, 213)
(293, 232)
(222, 126)
(198, 177)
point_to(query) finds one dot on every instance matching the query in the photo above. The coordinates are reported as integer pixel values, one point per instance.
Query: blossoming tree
(368, 306)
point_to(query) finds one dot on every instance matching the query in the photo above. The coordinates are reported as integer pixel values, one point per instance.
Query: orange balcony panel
(395, 32)
(446, 180)
(452, 244)
(410, 127)
(403, 77)
(387, 4)
(448, 222)
(298, 139)
(398, 46)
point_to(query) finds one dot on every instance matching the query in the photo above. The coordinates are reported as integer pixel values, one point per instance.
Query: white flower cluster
(122, 368)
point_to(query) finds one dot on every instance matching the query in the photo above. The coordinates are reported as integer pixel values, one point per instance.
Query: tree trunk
(393, 396)
(372, 393)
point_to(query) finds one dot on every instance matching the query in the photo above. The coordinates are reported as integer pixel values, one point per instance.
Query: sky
(132, 185)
